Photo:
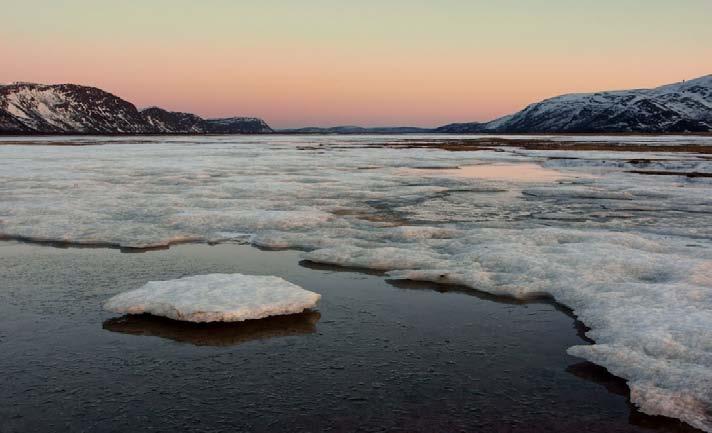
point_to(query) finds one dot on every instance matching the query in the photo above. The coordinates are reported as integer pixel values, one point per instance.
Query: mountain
(346, 130)
(29, 108)
(237, 125)
(65, 108)
(679, 107)
(172, 122)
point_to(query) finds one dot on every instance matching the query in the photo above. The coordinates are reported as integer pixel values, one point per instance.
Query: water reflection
(616, 385)
(518, 172)
(215, 334)
(583, 370)
(65, 245)
(578, 325)
(316, 266)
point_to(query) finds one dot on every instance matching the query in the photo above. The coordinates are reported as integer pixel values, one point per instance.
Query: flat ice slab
(215, 298)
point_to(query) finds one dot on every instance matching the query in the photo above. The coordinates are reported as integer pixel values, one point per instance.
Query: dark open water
(374, 357)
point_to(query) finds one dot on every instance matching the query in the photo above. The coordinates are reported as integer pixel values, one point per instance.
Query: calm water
(375, 356)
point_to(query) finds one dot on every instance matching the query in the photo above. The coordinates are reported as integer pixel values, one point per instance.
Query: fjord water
(377, 355)
(628, 253)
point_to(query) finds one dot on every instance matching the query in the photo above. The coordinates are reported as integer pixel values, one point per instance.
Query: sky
(367, 62)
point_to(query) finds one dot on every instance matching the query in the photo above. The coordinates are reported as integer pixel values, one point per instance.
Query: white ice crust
(630, 254)
(215, 298)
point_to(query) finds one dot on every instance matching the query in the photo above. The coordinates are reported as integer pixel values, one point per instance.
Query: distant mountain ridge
(679, 107)
(29, 108)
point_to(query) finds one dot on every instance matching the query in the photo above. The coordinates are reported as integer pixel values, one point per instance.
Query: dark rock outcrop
(172, 122)
(237, 125)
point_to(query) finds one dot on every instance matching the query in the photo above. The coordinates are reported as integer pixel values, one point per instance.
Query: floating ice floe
(215, 298)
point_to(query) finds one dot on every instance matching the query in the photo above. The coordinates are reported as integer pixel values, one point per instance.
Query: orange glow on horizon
(297, 79)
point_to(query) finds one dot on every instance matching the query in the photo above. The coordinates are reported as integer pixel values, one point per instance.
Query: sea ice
(215, 298)
(630, 254)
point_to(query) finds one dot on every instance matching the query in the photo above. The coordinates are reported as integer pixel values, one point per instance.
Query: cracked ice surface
(629, 253)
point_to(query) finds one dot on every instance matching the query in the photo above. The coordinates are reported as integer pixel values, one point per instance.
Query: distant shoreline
(71, 109)
(278, 133)
(461, 143)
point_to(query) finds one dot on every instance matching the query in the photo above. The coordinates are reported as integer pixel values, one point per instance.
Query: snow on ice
(215, 298)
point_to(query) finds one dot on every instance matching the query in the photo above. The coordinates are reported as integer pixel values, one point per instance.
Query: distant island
(30, 108)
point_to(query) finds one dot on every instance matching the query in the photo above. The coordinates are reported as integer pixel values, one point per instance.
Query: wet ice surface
(523, 172)
(215, 298)
(629, 253)
(375, 356)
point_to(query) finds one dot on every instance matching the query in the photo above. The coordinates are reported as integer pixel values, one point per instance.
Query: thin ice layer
(215, 298)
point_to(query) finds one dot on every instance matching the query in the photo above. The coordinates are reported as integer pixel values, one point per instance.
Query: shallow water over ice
(525, 172)
(629, 253)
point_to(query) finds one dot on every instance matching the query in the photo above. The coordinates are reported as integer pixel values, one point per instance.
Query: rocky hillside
(172, 122)
(27, 108)
(67, 108)
(237, 125)
(679, 107)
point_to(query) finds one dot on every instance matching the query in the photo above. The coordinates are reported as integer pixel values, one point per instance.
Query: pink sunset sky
(367, 63)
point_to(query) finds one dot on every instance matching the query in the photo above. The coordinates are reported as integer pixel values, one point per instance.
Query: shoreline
(463, 143)
(365, 134)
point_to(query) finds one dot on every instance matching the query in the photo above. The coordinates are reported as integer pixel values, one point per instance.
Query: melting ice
(629, 253)
(215, 298)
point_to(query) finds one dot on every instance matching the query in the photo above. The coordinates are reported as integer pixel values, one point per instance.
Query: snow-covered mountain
(63, 108)
(27, 108)
(679, 107)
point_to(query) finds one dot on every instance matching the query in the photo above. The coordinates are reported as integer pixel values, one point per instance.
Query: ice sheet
(629, 253)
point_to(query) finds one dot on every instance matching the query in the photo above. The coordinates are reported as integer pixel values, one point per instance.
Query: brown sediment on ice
(690, 174)
(492, 143)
